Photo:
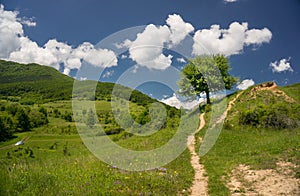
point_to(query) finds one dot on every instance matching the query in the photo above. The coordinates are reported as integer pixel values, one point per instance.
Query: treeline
(17, 118)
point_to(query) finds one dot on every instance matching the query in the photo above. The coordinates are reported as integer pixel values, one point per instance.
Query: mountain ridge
(34, 83)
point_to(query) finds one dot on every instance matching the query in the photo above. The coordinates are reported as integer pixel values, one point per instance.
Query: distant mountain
(33, 83)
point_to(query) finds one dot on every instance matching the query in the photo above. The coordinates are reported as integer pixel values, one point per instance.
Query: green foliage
(205, 74)
(23, 122)
(278, 116)
(37, 118)
(68, 116)
(264, 109)
(5, 131)
(17, 118)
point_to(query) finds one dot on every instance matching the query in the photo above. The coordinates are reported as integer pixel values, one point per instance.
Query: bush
(278, 116)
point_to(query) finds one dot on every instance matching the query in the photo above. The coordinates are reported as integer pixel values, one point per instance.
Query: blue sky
(265, 48)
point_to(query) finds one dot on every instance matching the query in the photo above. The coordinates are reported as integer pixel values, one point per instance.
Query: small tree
(23, 120)
(205, 74)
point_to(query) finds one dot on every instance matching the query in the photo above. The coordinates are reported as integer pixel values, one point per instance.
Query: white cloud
(181, 60)
(257, 37)
(229, 41)
(281, 66)
(147, 48)
(179, 28)
(28, 22)
(175, 102)
(30, 52)
(230, 1)
(83, 78)
(15, 46)
(10, 31)
(108, 74)
(123, 56)
(245, 84)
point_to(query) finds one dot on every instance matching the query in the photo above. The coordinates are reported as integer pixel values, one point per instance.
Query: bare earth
(200, 182)
(272, 86)
(269, 182)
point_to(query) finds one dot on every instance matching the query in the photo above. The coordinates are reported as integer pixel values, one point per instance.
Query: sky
(137, 40)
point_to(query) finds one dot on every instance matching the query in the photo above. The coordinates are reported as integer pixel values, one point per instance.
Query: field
(261, 130)
(56, 162)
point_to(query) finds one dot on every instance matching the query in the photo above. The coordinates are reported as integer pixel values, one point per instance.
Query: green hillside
(36, 107)
(35, 83)
(261, 129)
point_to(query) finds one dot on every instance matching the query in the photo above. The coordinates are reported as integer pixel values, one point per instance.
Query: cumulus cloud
(175, 102)
(179, 28)
(147, 48)
(15, 46)
(256, 36)
(281, 66)
(245, 84)
(10, 31)
(229, 41)
(30, 52)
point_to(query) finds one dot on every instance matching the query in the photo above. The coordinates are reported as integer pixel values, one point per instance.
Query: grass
(56, 162)
(261, 148)
(54, 172)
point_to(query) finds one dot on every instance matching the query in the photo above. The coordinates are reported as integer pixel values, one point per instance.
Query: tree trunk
(207, 97)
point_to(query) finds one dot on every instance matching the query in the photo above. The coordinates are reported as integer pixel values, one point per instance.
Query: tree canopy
(205, 74)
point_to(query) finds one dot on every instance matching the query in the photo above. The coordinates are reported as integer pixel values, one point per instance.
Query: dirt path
(230, 104)
(272, 86)
(200, 182)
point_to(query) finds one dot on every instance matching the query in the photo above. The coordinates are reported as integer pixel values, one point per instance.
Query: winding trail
(230, 104)
(200, 183)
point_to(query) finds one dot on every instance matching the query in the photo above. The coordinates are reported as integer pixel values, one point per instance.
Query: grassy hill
(36, 106)
(33, 83)
(261, 129)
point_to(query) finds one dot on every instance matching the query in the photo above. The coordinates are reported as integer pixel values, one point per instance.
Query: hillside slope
(257, 151)
(33, 83)
(267, 106)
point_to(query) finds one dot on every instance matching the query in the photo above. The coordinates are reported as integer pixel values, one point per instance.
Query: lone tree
(205, 74)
